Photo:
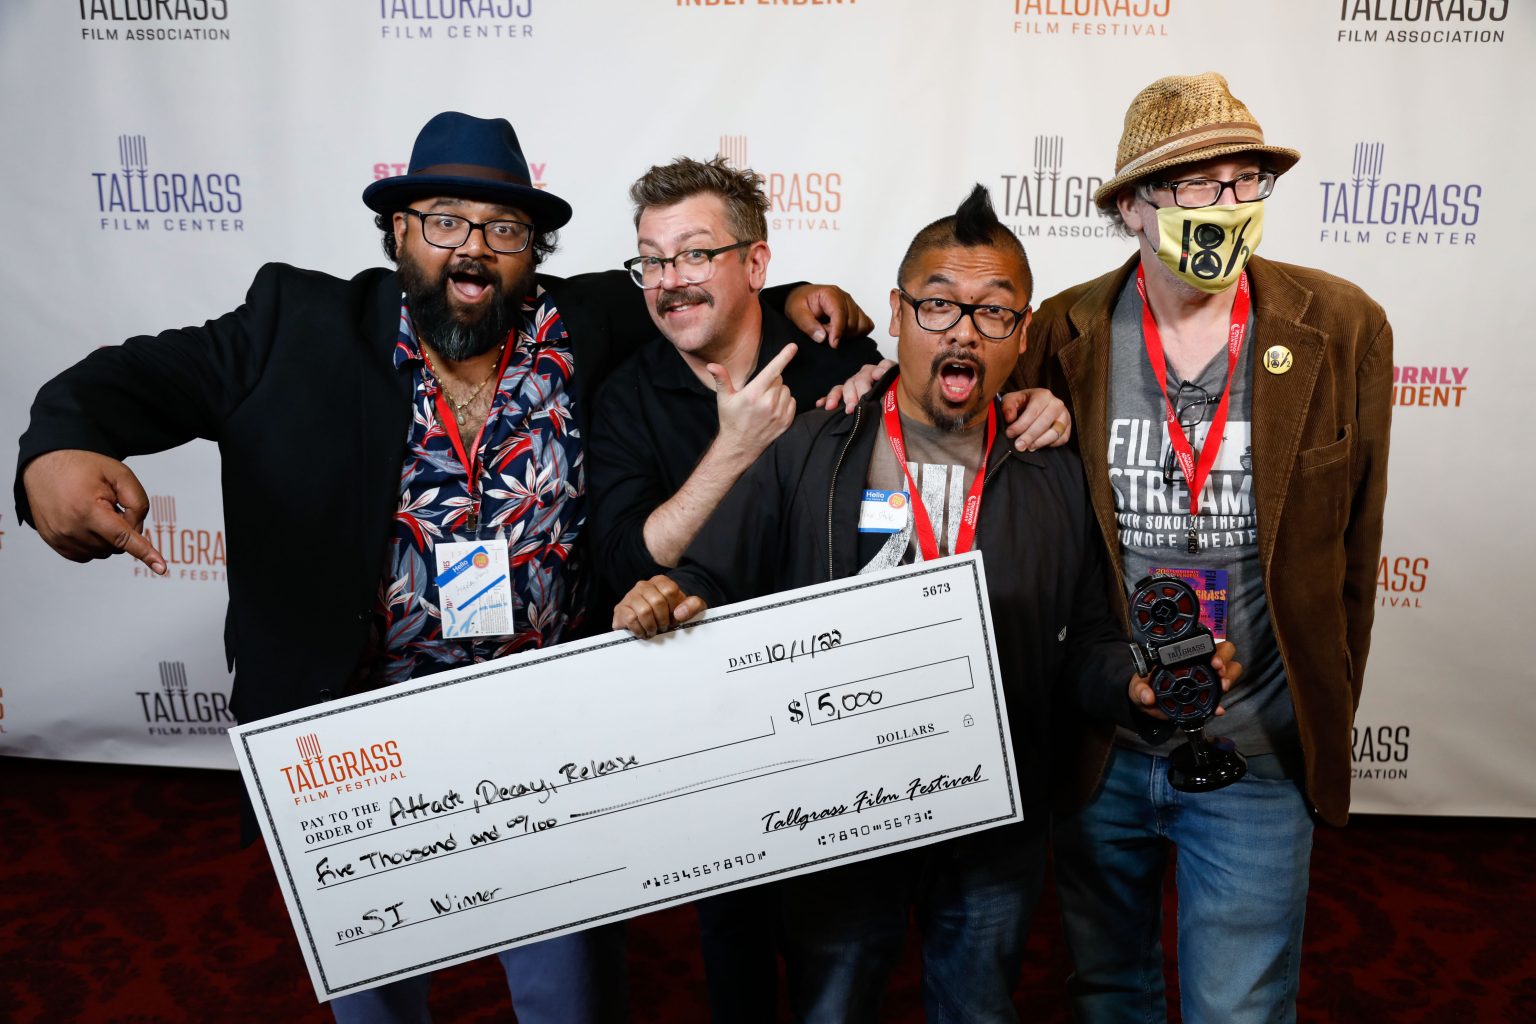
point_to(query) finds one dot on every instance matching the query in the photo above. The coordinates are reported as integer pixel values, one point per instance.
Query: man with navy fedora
(378, 418)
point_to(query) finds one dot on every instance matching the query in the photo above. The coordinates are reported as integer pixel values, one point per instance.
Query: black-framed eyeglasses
(1194, 193)
(449, 231)
(693, 266)
(993, 322)
(1189, 406)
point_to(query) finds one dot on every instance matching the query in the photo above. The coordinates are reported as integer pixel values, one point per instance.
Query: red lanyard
(1195, 474)
(926, 543)
(451, 428)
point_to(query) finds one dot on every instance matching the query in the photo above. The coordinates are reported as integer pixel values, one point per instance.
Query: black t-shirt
(654, 421)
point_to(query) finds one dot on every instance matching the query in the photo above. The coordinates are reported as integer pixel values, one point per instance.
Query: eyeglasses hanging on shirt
(1189, 407)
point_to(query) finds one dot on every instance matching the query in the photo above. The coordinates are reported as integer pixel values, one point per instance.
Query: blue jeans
(573, 979)
(1241, 871)
(974, 897)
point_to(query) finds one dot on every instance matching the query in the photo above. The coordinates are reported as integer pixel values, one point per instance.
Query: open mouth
(469, 287)
(957, 380)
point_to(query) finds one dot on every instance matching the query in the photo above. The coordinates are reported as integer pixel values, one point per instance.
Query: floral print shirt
(530, 482)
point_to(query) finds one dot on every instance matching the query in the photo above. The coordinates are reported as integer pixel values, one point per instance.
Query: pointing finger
(775, 367)
(118, 531)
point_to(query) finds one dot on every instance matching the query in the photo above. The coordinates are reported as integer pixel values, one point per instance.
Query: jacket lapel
(1280, 400)
(384, 396)
(1085, 364)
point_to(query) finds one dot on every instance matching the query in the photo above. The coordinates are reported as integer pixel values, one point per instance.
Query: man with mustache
(817, 505)
(680, 420)
(376, 421)
(686, 415)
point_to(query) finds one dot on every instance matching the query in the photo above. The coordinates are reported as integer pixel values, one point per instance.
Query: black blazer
(298, 389)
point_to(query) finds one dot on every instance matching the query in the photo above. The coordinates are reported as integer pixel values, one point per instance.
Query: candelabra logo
(1429, 386)
(317, 775)
(139, 21)
(799, 200)
(392, 170)
(178, 710)
(1368, 208)
(1092, 19)
(435, 20)
(1048, 200)
(1380, 751)
(1401, 581)
(1432, 22)
(191, 553)
(134, 198)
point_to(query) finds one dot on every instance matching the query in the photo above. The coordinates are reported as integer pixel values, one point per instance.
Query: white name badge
(474, 590)
(883, 511)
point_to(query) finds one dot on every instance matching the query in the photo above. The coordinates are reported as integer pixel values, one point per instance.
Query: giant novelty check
(437, 821)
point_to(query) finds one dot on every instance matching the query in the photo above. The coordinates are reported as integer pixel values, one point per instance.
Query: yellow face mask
(1209, 247)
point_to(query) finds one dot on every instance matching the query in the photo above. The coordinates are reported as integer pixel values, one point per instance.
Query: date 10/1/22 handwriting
(807, 646)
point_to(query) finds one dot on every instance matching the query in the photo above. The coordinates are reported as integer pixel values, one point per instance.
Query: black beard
(454, 334)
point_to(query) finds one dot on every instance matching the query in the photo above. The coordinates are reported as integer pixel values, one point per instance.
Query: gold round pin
(1277, 359)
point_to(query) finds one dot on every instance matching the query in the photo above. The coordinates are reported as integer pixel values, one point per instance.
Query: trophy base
(1200, 767)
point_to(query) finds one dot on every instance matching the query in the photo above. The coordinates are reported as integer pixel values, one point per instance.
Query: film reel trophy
(1174, 650)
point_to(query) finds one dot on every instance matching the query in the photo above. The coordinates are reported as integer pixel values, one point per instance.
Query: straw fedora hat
(1183, 119)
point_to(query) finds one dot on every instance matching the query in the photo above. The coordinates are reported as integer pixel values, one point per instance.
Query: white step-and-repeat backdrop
(156, 152)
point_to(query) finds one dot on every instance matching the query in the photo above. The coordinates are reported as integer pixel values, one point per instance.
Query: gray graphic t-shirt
(943, 463)
(1152, 510)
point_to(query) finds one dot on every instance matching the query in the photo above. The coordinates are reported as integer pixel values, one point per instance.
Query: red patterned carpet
(126, 897)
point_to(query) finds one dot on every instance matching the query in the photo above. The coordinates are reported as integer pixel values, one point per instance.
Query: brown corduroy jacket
(1320, 482)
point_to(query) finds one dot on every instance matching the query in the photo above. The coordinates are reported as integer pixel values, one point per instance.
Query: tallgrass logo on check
(317, 774)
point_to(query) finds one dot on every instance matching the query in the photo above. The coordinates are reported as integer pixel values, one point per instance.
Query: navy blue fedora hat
(469, 158)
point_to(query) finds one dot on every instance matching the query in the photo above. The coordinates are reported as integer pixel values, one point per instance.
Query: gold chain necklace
(459, 407)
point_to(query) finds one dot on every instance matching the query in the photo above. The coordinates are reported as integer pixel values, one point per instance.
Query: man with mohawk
(958, 312)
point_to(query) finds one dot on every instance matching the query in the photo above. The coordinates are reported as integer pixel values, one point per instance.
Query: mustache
(470, 269)
(667, 299)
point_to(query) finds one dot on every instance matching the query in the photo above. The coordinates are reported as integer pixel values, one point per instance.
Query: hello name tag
(883, 511)
(474, 590)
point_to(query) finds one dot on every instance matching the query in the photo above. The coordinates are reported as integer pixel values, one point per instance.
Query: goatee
(951, 421)
(456, 334)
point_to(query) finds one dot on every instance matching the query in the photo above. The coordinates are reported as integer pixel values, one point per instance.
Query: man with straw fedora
(1232, 414)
